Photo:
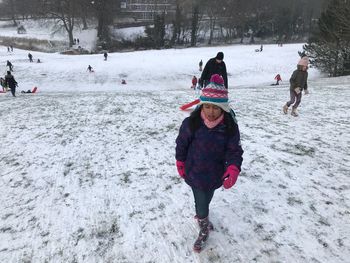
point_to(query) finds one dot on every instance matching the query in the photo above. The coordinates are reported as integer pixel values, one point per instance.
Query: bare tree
(64, 11)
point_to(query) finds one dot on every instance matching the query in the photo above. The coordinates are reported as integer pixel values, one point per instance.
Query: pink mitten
(181, 168)
(230, 176)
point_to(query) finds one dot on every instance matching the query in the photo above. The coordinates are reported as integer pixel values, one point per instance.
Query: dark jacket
(211, 68)
(10, 81)
(298, 79)
(207, 153)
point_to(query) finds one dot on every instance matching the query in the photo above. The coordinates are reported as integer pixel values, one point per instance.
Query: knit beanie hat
(220, 56)
(304, 61)
(215, 93)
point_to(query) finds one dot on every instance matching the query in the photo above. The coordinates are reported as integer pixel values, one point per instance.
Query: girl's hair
(195, 121)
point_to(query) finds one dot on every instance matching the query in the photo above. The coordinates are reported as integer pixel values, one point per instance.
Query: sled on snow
(34, 90)
(189, 105)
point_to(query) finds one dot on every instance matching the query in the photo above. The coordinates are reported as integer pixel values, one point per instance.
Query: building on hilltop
(144, 10)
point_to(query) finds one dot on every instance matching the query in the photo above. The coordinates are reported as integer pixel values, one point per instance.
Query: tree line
(323, 24)
(194, 21)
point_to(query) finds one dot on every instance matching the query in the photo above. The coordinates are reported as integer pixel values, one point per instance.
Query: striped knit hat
(215, 93)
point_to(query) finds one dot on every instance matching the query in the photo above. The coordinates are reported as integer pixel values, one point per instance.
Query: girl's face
(211, 112)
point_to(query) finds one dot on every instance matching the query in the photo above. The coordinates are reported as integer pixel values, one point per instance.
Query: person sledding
(30, 91)
(209, 152)
(298, 83)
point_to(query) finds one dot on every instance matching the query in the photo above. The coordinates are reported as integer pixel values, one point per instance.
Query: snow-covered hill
(87, 164)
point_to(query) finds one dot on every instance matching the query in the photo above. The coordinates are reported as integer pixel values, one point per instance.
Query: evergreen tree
(156, 34)
(329, 47)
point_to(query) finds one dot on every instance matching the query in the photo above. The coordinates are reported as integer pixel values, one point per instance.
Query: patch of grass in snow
(293, 201)
(125, 177)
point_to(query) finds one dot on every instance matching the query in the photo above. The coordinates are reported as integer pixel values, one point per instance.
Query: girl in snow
(208, 151)
(298, 83)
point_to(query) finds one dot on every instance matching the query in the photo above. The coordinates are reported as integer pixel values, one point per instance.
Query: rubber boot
(210, 224)
(285, 109)
(202, 236)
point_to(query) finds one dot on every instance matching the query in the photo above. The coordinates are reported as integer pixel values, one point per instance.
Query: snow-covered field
(87, 164)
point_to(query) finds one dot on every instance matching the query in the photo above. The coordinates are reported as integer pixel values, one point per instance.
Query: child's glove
(230, 176)
(181, 168)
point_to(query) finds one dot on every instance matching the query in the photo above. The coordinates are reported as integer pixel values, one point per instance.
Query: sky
(88, 169)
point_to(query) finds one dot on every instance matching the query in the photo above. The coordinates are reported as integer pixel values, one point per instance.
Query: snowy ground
(89, 176)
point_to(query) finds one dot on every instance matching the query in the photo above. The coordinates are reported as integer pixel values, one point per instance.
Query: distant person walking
(105, 55)
(11, 83)
(30, 56)
(89, 68)
(201, 65)
(214, 66)
(9, 64)
(298, 83)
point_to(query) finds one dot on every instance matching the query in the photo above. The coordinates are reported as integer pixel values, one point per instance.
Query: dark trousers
(13, 91)
(294, 97)
(202, 200)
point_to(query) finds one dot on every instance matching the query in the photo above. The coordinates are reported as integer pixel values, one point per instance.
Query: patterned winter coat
(298, 79)
(207, 153)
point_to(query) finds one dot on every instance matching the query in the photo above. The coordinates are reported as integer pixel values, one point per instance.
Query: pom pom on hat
(215, 93)
(304, 61)
(216, 78)
(220, 56)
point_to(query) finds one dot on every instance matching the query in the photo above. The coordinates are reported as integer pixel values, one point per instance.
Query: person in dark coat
(105, 55)
(89, 68)
(200, 65)
(214, 66)
(208, 151)
(9, 64)
(298, 83)
(30, 56)
(11, 83)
